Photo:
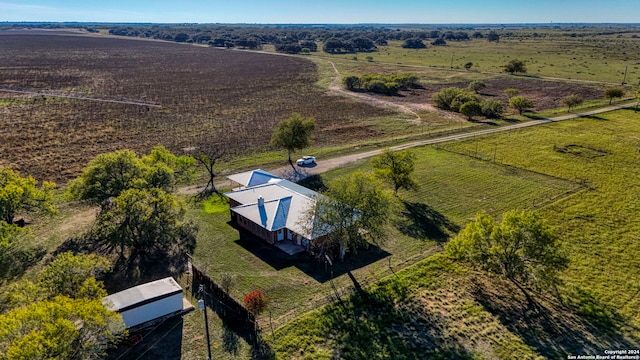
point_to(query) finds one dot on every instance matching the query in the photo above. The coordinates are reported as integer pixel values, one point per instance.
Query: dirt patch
(581, 151)
(546, 94)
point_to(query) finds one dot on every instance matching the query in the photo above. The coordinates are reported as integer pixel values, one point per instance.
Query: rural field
(222, 97)
(183, 96)
(440, 308)
(67, 97)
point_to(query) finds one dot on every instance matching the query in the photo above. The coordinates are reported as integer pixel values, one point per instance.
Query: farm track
(336, 88)
(50, 94)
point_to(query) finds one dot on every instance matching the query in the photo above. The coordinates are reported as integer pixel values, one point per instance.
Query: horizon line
(314, 24)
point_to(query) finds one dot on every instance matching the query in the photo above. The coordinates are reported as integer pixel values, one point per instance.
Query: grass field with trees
(399, 299)
(468, 314)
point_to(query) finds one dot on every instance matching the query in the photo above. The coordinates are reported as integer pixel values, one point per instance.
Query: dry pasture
(228, 97)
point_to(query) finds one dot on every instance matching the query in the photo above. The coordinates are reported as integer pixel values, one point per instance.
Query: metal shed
(147, 302)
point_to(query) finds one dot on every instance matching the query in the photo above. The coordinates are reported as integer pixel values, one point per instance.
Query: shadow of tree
(594, 117)
(15, 261)
(150, 265)
(317, 269)
(485, 122)
(313, 182)
(162, 342)
(533, 116)
(585, 326)
(373, 325)
(230, 341)
(422, 222)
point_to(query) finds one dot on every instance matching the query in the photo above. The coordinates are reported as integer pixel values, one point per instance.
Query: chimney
(260, 201)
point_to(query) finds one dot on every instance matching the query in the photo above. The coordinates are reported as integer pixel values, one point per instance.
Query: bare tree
(207, 155)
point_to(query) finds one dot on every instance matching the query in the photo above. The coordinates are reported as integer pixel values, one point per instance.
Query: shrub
(521, 103)
(471, 109)
(445, 97)
(463, 97)
(255, 302)
(477, 85)
(453, 98)
(439, 42)
(493, 109)
(511, 92)
(414, 44)
(351, 82)
(379, 84)
(515, 66)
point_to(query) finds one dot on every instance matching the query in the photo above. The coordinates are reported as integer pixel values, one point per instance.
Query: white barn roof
(142, 294)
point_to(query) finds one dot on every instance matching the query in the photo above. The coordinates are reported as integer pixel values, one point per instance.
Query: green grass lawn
(442, 310)
(600, 226)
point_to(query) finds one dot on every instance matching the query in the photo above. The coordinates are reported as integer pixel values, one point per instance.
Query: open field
(229, 98)
(225, 97)
(590, 58)
(468, 315)
(546, 93)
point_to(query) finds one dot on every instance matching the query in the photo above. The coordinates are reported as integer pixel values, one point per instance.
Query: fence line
(126, 102)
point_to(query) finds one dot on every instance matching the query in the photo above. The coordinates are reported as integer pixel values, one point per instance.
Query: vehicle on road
(306, 160)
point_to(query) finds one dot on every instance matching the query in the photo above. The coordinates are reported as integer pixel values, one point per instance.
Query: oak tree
(61, 315)
(521, 103)
(293, 134)
(22, 194)
(471, 109)
(110, 174)
(612, 93)
(396, 167)
(572, 100)
(144, 224)
(521, 248)
(353, 212)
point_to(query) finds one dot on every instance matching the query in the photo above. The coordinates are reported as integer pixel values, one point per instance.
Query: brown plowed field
(233, 98)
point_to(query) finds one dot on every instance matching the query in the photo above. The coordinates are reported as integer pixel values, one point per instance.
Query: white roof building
(274, 209)
(143, 303)
(284, 205)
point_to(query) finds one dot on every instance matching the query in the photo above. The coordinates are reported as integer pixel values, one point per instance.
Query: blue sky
(328, 11)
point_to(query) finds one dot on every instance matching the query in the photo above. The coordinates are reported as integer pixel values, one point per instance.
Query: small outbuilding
(148, 302)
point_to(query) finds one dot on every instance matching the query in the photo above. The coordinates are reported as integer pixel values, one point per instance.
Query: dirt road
(325, 165)
(329, 164)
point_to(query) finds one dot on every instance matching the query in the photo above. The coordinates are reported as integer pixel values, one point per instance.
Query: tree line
(301, 39)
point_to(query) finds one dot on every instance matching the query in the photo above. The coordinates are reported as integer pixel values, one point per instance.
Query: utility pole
(452, 60)
(203, 305)
(624, 80)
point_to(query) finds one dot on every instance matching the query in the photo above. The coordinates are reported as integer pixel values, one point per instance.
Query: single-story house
(142, 305)
(275, 210)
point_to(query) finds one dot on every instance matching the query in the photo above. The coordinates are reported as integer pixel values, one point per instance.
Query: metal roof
(252, 178)
(144, 293)
(286, 205)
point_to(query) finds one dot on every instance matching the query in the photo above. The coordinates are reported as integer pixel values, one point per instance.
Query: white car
(306, 160)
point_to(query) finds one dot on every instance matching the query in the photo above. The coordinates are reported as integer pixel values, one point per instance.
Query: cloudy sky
(325, 12)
